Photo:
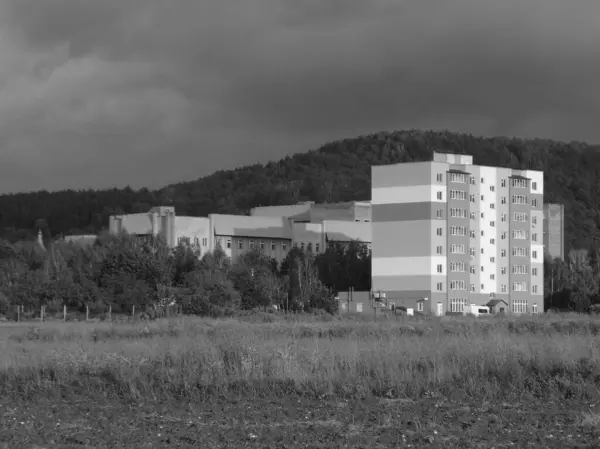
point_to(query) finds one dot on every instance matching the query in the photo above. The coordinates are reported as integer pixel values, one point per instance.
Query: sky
(96, 94)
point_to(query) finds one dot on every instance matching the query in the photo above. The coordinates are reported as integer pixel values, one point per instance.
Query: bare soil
(297, 422)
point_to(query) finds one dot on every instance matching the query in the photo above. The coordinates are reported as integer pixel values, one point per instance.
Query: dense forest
(338, 171)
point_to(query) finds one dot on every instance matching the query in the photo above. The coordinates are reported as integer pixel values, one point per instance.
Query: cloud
(118, 92)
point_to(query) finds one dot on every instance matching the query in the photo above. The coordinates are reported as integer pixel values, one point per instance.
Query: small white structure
(476, 310)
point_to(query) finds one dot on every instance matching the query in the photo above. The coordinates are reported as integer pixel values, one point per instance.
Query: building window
(519, 234)
(472, 215)
(534, 187)
(439, 268)
(472, 198)
(472, 252)
(251, 244)
(273, 246)
(440, 196)
(439, 250)
(472, 287)
(240, 244)
(520, 251)
(533, 219)
(317, 247)
(519, 183)
(228, 243)
(493, 224)
(457, 249)
(503, 200)
(534, 237)
(457, 267)
(503, 236)
(519, 199)
(439, 231)
(302, 246)
(482, 287)
(492, 277)
(481, 250)
(458, 230)
(503, 288)
(284, 246)
(534, 309)
(472, 269)
(482, 180)
(440, 286)
(519, 306)
(503, 218)
(262, 246)
(439, 213)
(458, 285)
(420, 306)
(440, 177)
(482, 197)
(482, 268)
(503, 271)
(458, 304)
(204, 242)
(492, 260)
(482, 232)
(520, 217)
(534, 202)
(534, 254)
(520, 269)
(534, 289)
(534, 271)
(492, 206)
(472, 233)
(472, 180)
(458, 177)
(458, 195)
(458, 213)
(483, 215)
(519, 286)
(503, 182)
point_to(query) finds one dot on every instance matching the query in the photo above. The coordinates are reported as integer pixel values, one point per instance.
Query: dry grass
(263, 355)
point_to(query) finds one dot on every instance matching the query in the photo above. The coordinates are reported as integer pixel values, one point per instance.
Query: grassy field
(268, 381)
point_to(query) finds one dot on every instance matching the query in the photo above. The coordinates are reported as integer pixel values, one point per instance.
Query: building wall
(309, 236)
(235, 246)
(502, 234)
(554, 229)
(457, 282)
(281, 211)
(536, 200)
(405, 228)
(194, 229)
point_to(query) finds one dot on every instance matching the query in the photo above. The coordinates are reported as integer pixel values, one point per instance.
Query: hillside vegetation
(337, 171)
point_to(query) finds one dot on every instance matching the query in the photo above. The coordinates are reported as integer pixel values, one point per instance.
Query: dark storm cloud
(94, 93)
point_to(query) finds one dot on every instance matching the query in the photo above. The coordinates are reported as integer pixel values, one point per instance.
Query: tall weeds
(196, 358)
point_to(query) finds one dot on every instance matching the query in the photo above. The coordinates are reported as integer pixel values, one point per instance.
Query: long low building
(274, 235)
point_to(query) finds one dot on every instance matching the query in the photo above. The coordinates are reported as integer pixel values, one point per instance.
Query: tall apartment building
(554, 230)
(447, 233)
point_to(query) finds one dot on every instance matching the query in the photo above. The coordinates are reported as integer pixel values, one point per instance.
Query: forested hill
(338, 171)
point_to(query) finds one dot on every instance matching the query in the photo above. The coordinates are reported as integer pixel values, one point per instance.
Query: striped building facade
(447, 233)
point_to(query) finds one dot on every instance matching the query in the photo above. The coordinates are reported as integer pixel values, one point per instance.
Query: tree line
(573, 284)
(126, 273)
(338, 171)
